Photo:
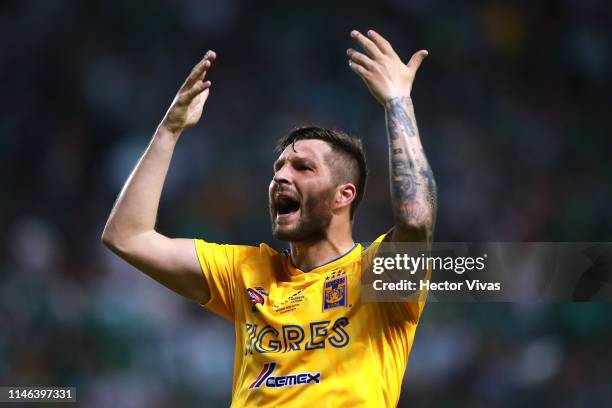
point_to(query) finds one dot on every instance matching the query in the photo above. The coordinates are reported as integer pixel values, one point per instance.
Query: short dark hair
(351, 167)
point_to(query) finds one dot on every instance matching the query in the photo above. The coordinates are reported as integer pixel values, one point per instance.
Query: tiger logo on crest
(334, 293)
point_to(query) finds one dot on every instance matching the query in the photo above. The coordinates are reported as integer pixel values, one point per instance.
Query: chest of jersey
(309, 313)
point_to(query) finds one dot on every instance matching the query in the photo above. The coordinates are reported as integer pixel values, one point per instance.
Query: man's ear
(345, 195)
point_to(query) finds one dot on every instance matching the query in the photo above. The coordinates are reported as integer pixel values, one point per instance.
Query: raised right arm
(130, 229)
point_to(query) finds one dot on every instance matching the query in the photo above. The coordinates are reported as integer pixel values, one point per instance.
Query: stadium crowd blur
(513, 105)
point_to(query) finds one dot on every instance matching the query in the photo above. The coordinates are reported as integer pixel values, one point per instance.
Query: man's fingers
(199, 71)
(370, 48)
(207, 64)
(380, 42)
(360, 58)
(358, 69)
(197, 89)
(417, 58)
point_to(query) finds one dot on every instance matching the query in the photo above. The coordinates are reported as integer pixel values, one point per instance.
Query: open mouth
(286, 206)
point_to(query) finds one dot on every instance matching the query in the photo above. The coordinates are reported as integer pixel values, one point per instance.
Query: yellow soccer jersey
(306, 338)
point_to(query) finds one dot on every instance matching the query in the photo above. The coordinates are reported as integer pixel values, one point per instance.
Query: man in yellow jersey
(303, 335)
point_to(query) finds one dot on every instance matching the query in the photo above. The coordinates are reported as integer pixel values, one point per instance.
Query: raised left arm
(413, 188)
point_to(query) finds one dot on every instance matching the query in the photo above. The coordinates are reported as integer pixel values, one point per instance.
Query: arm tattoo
(402, 120)
(413, 188)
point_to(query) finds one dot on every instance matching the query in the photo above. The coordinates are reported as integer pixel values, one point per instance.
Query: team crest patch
(334, 293)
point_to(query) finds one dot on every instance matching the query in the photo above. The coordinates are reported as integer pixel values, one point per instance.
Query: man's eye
(302, 167)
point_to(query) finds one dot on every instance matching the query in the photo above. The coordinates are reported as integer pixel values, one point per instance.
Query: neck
(307, 255)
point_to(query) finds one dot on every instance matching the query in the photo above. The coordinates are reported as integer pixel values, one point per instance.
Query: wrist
(393, 100)
(168, 135)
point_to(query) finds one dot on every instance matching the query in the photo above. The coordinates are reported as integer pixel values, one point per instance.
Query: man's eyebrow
(295, 158)
(277, 163)
(305, 160)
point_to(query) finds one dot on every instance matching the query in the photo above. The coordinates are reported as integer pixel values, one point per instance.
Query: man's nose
(282, 176)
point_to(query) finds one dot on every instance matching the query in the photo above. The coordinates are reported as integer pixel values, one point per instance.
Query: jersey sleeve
(220, 264)
(409, 310)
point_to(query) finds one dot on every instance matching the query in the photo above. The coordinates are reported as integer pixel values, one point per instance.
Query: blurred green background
(513, 105)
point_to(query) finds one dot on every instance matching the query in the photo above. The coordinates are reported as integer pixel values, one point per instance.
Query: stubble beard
(314, 219)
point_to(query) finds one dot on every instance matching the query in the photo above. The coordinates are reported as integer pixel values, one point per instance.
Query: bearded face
(301, 193)
(297, 217)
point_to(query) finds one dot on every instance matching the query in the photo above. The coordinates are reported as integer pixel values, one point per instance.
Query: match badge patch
(255, 296)
(334, 293)
(261, 290)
